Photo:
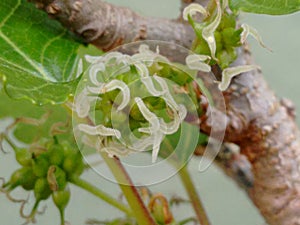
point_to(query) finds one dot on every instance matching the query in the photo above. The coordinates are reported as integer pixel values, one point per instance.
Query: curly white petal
(96, 90)
(99, 130)
(192, 9)
(158, 138)
(93, 72)
(145, 130)
(172, 127)
(118, 84)
(82, 104)
(147, 81)
(142, 69)
(209, 30)
(148, 115)
(231, 72)
(167, 95)
(247, 30)
(113, 55)
(196, 62)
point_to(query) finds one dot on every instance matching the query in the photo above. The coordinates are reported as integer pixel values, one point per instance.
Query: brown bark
(107, 26)
(258, 122)
(265, 129)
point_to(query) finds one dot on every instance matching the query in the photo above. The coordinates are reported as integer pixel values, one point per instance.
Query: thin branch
(133, 198)
(191, 191)
(108, 26)
(100, 194)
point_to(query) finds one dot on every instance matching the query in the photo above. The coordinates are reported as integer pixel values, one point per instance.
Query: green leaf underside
(37, 56)
(271, 7)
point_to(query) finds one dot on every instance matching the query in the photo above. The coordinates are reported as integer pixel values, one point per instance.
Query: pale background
(226, 204)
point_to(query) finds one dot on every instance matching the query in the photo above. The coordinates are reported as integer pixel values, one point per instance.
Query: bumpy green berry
(42, 189)
(41, 164)
(23, 177)
(61, 198)
(73, 164)
(56, 154)
(23, 156)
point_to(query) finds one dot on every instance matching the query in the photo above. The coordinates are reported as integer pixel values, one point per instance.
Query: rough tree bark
(260, 124)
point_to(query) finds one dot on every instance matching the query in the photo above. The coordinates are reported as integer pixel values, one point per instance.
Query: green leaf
(272, 7)
(38, 57)
(11, 108)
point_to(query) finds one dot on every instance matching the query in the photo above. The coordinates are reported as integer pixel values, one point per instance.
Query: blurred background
(225, 203)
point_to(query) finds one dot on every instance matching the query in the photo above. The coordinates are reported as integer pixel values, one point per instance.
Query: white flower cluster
(197, 61)
(99, 83)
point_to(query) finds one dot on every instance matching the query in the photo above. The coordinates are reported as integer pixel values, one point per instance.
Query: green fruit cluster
(227, 38)
(47, 172)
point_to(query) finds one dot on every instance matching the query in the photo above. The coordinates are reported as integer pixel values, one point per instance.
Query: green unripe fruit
(23, 177)
(61, 198)
(42, 190)
(56, 178)
(41, 164)
(73, 164)
(23, 157)
(56, 154)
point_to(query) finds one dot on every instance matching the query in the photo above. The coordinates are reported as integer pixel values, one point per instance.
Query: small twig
(192, 193)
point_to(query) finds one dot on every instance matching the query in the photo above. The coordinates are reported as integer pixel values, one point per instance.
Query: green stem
(135, 201)
(62, 216)
(139, 210)
(100, 194)
(193, 195)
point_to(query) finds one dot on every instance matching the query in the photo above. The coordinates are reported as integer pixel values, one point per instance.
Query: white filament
(148, 115)
(83, 103)
(99, 130)
(142, 69)
(95, 68)
(118, 84)
(192, 9)
(196, 62)
(231, 72)
(166, 95)
(147, 81)
(247, 30)
(209, 30)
